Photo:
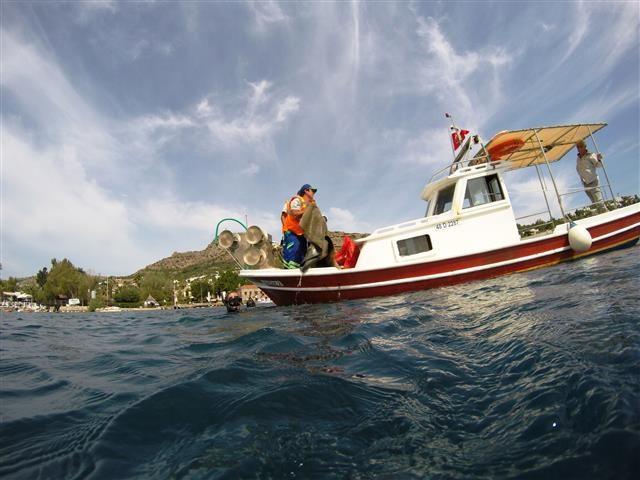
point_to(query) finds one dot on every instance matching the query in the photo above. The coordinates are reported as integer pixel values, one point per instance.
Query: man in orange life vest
(294, 245)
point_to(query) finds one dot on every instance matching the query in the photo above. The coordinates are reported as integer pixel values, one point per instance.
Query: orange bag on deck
(347, 257)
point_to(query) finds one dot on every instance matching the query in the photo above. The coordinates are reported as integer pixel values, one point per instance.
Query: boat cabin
(468, 205)
(467, 211)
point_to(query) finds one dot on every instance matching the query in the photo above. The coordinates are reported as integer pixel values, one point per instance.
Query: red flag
(458, 137)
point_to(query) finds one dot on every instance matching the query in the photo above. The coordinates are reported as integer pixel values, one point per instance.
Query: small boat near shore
(470, 231)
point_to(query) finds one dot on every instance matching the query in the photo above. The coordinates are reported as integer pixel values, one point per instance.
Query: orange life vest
(292, 222)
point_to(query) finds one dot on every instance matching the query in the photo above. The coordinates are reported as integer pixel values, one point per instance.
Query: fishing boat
(469, 231)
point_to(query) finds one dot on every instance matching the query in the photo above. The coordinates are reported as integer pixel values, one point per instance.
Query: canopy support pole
(602, 163)
(555, 187)
(544, 191)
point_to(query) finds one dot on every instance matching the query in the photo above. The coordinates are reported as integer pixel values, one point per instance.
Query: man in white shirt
(586, 165)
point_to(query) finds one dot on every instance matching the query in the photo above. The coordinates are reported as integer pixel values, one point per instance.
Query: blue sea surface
(532, 375)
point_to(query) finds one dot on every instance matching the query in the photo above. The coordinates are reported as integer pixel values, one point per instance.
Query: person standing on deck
(294, 245)
(586, 165)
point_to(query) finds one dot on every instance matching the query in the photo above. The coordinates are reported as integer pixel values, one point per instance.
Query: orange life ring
(505, 148)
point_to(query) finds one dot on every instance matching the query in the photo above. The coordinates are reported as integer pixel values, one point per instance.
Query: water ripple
(522, 376)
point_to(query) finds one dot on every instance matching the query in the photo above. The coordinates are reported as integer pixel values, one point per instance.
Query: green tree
(65, 279)
(158, 285)
(128, 296)
(228, 281)
(31, 288)
(96, 303)
(41, 276)
(10, 284)
(200, 289)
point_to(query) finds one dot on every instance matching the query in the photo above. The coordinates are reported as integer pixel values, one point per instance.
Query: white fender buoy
(579, 238)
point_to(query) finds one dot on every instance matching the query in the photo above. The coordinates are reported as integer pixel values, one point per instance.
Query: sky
(130, 129)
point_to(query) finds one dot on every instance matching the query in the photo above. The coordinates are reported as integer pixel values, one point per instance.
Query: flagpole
(452, 128)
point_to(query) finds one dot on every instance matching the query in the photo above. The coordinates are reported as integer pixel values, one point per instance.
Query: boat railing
(462, 166)
(536, 227)
(573, 191)
(609, 203)
(539, 226)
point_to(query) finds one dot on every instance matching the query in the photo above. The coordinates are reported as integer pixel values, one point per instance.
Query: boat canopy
(520, 148)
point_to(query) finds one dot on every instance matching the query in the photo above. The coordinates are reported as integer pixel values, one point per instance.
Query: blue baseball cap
(306, 186)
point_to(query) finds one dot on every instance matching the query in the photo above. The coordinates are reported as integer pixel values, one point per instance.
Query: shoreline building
(251, 291)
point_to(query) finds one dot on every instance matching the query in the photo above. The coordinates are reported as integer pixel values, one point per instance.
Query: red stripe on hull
(281, 297)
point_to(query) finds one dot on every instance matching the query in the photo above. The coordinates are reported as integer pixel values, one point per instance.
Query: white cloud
(579, 29)
(609, 44)
(109, 5)
(204, 108)
(55, 170)
(355, 16)
(622, 147)
(259, 94)
(167, 121)
(604, 104)
(261, 117)
(243, 128)
(165, 48)
(431, 147)
(341, 219)
(251, 169)
(423, 65)
(167, 212)
(255, 121)
(266, 13)
(286, 108)
(593, 45)
(50, 205)
(135, 51)
(88, 10)
(452, 76)
(144, 46)
(546, 27)
(53, 105)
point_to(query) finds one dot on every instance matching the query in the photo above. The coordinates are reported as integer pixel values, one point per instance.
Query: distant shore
(85, 309)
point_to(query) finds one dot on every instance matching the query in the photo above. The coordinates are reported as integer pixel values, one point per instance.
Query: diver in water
(233, 302)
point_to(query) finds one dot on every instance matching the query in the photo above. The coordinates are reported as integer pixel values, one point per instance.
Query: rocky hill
(214, 258)
(181, 260)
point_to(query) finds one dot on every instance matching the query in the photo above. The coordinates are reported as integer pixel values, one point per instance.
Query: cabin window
(482, 190)
(414, 245)
(445, 200)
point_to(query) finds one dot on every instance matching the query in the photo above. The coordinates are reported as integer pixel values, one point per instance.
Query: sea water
(532, 375)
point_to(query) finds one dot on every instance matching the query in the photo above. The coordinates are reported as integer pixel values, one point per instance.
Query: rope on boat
(215, 238)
